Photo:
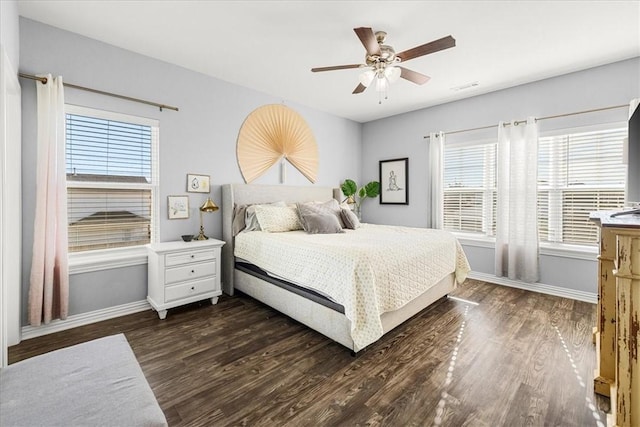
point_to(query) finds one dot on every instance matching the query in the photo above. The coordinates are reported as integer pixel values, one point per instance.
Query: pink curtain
(49, 283)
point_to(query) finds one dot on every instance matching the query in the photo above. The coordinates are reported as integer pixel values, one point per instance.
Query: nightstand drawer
(186, 290)
(183, 272)
(190, 256)
(190, 272)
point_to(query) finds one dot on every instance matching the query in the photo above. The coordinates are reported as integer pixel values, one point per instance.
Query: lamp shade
(209, 206)
(381, 83)
(367, 77)
(392, 73)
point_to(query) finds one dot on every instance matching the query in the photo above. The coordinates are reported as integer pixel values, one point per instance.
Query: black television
(633, 160)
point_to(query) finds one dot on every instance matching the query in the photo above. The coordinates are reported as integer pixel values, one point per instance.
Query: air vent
(465, 86)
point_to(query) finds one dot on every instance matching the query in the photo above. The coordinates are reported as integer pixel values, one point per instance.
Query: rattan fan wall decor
(273, 132)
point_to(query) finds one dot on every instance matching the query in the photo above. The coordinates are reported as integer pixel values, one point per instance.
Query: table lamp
(207, 206)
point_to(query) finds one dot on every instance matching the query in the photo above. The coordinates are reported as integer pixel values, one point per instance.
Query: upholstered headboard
(246, 194)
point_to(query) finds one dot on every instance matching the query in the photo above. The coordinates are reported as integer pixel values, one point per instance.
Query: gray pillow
(238, 218)
(350, 219)
(329, 207)
(322, 224)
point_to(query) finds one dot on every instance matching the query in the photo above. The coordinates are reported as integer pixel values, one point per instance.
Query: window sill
(588, 253)
(475, 240)
(87, 262)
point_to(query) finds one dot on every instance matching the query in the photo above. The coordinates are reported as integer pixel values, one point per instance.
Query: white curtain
(436, 167)
(49, 282)
(516, 220)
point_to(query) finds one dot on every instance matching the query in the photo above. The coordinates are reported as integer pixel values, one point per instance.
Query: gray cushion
(97, 383)
(350, 219)
(329, 207)
(239, 212)
(322, 224)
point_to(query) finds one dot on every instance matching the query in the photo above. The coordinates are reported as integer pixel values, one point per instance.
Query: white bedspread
(370, 271)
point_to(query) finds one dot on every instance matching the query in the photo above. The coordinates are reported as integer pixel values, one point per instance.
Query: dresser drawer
(190, 272)
(186, 290)
(190, 256)
(181, 272)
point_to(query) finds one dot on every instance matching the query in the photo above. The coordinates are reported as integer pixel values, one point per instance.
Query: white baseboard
(537, 287)
(135, 307)
(84, 319)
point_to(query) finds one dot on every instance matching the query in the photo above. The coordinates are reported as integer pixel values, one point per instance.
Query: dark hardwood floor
(517, 358)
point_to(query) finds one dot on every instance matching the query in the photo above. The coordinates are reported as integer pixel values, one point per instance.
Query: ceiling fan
(382, 61)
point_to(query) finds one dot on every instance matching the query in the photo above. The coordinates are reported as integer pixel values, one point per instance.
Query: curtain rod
(88, 89)
(517, 122)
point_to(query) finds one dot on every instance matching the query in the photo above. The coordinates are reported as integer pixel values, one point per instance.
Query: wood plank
(241, 363)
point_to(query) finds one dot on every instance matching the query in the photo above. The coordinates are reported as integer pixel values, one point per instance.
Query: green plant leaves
(349, 187)
(372, 189)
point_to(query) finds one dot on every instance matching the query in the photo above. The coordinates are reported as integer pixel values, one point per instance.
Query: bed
(344, 293)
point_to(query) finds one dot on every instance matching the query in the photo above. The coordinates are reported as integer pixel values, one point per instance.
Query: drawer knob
(193, 288)
(193, 256)
(193, 271)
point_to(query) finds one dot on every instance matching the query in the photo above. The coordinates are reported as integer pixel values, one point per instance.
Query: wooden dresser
(618, 319)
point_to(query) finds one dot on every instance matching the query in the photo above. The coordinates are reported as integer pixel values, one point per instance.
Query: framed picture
(394, 182)
(178, 207)
(197, 183)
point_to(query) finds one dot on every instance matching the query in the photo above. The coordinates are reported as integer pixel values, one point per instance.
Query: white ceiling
(271, 46)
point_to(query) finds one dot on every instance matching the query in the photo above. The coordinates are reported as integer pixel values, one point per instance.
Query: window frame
(553, 247)
(104, 259)
(556, 249)
(487, 236)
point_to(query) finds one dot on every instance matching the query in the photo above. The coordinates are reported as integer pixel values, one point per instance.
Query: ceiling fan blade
(360, 88)
(413, 76)
(431, 47)
(336, 67)
(368, 39)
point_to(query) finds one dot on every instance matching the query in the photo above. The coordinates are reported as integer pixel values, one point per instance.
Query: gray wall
(200, 138)
(402, 136)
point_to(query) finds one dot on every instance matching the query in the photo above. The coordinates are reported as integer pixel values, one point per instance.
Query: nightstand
(183, 272)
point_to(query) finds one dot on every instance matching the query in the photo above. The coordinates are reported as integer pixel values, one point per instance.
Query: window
(578, 173)
(111, 179)
(470, 188)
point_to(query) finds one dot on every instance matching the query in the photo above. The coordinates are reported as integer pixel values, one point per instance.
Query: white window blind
(470, 188)
(111, 179)
(578, 173)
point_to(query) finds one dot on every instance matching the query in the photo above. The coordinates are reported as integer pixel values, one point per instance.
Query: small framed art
(394, 182)
(178, 207)
(197, 183)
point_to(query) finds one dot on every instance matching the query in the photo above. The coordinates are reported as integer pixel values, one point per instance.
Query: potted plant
(356, 196)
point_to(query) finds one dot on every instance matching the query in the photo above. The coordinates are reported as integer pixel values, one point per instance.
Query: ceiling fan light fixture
(392, 73)
(367, 77)
(381, 61)
(382, 83)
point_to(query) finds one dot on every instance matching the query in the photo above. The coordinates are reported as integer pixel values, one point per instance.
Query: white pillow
(277, 218)
(250, 220)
